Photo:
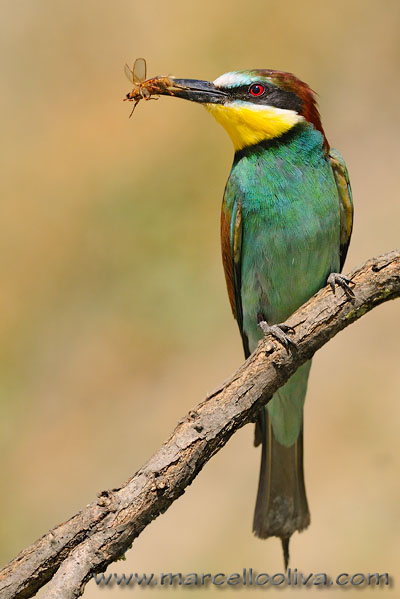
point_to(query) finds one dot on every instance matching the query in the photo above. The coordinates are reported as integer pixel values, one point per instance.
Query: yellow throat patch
(248, 124)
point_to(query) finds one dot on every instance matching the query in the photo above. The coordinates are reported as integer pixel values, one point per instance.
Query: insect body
(144, 89)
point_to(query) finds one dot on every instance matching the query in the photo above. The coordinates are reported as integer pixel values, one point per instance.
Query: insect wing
(139, 70)
(129, 73)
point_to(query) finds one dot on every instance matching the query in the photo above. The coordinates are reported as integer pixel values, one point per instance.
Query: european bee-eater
(286, 223)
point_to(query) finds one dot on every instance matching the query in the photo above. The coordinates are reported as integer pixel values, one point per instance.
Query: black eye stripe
(271, 96)
(243, 90)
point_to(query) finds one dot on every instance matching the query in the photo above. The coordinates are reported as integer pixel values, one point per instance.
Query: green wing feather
(346, 201)
(231, 235)
(231, 241)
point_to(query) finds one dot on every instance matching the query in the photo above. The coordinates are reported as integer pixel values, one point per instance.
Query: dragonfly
(144, 89)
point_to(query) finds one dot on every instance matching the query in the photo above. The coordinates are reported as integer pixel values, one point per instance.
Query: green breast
(290, 225)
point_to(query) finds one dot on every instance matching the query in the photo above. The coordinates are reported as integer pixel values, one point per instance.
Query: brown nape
(290, 82)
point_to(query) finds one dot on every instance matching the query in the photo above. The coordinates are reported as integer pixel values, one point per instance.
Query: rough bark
(65, 558)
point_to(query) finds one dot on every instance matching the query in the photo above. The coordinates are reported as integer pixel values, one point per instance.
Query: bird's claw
(279, 331)
(343, 282)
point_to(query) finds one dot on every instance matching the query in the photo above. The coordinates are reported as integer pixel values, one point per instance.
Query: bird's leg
(279, 331)
(343, 282)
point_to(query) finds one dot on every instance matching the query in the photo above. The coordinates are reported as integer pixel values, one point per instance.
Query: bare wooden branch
(68, 556)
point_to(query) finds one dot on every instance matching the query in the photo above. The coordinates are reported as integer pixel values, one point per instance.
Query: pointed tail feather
(285, 549)
(281, 506)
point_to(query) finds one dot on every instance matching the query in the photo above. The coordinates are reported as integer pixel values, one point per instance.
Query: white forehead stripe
(233, 80)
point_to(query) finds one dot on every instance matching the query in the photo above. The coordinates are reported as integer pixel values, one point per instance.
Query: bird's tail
(281, 506)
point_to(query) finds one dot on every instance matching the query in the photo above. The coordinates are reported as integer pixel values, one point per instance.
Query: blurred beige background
(114, 317)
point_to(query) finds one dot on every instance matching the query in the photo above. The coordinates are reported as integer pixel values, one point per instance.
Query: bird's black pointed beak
(196, 90)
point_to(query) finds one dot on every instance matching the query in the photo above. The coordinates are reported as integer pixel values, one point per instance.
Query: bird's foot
(279, 331)
(343, 282)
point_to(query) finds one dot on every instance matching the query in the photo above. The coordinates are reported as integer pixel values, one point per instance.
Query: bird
(286, 224)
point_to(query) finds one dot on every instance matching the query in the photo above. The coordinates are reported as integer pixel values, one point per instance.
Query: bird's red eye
(257, 89)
